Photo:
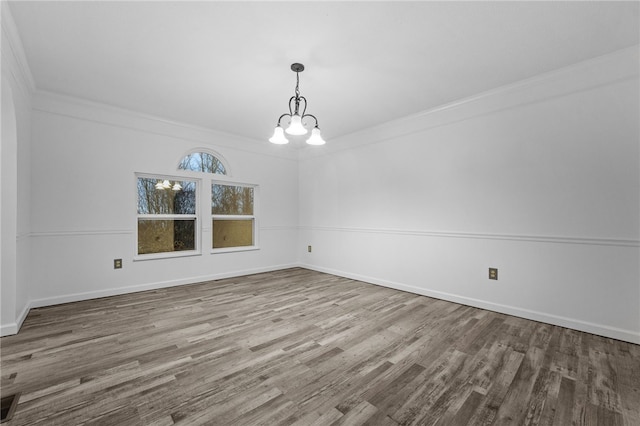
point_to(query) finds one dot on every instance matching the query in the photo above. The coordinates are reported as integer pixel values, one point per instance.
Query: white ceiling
(226, 65)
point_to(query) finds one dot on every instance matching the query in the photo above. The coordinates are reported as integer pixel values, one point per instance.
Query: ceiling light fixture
(167, 185)
(296, 125)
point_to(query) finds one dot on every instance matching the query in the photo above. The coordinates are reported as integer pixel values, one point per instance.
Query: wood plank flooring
(297, 347)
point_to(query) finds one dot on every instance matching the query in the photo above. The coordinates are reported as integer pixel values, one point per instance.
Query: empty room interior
(320, 213)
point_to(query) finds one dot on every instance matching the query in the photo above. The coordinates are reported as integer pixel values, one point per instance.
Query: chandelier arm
(281, 117)
(312, 116)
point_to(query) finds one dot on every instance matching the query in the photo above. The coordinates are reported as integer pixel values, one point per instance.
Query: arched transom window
(202, 162)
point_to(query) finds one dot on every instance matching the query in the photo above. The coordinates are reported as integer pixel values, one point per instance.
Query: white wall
(84, 160)
(8, 207)
(17, 87)
(540, 179)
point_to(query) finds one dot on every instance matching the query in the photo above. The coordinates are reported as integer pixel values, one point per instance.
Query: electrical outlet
(309, 249)
(117, 263)
(493, 273)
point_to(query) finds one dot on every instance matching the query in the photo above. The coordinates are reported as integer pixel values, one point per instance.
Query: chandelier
(296, 125)
(167, 185)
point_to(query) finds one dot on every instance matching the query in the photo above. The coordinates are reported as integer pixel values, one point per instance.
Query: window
(232, 216)
(170, 213)
(202, 162)
(166, 215)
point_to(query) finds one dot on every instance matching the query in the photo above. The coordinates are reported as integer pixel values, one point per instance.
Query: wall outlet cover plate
(493, 273)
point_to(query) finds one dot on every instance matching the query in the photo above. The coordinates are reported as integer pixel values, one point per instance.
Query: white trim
(233, 217)
(16, 58)
(234, 249)
(23, 315)
(232, 182)
(96, 112)
(81, 233)
(611, 68)
(167, 216)
(484, 236)
(165, 255)
(45, 95)
(14, 327)
(92, 232)
(178, 176)
(76, 297)
(9, 329)
(420, 233)
(601, 330)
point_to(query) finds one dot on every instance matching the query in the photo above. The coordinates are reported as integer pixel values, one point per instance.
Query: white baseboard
(601, 330)
(23, 315)
(13, 328)
(8, 329)
(76, 297)
(588, 327)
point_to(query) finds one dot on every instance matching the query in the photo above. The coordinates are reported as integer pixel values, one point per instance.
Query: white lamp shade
(315, 138)
(278, 136)
(296, 127)
(176, 187)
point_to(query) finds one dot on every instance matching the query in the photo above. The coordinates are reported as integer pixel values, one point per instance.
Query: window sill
(167, 255)
(234, 249)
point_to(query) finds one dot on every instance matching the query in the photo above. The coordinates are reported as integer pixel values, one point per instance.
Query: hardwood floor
(298, 347)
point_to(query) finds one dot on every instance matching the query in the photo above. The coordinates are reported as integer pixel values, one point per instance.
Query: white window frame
(196, 217)
(254, 217)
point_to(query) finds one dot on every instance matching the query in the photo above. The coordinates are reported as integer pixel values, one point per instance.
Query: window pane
(163, 196)
(228, 199)
(232, 233)
(202, 162)
(160, 236)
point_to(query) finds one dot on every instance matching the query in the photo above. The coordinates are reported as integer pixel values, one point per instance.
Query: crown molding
(15, 58)
(611, 68)
(98, 112)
